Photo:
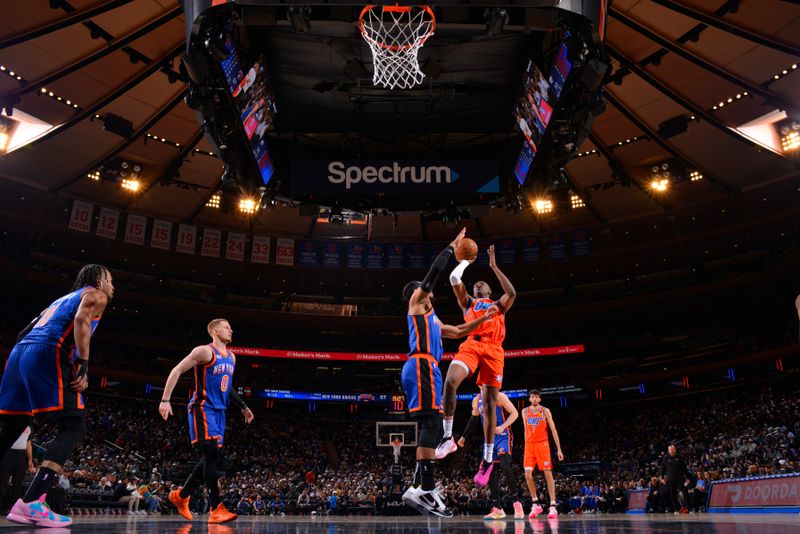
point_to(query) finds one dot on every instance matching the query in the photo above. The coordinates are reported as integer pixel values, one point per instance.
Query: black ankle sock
(427, 468)
(42, 482)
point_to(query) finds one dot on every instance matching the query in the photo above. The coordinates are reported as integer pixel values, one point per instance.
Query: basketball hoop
(396, 446)
(395, 34)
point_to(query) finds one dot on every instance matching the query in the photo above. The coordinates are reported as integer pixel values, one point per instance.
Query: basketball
(467, 250)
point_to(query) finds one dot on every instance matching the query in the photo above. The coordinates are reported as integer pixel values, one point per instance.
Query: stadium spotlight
(790, 137)
(543, 205)
(496, 19)
(247, 205)
(576, 201)
(214, 201)
(131, 184)
(659, 185)
(695, 176)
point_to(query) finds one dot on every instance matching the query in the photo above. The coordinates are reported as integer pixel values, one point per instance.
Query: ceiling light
(542, 206)
(214, 201)
(790, 141)
(576, 201)
(659, 185)
(94, 176)
(695, 176)
(247, 205)
(131, 184)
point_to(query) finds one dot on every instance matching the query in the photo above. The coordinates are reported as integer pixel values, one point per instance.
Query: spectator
(259, 506)
(277, 506)
(243, 507)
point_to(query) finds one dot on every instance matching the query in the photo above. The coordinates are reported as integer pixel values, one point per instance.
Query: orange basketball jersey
(535, 424)
(493, 329)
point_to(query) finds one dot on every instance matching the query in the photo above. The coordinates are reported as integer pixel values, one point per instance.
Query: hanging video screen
(255, 103)
(534, 108)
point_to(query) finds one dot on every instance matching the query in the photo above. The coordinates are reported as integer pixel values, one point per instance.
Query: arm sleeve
(458, 272)
(236, 400)
(436, 269)
(471, 424)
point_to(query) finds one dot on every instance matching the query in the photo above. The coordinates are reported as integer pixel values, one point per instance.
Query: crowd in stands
(293, 462)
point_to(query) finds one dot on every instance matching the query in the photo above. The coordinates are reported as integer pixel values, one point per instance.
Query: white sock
(447, 424)
(488, 452)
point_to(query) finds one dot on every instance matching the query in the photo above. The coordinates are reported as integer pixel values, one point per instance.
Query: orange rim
(396, 9)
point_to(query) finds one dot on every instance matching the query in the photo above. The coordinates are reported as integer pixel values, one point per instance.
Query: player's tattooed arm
(200, 355)
(465, 329)
(509, 293)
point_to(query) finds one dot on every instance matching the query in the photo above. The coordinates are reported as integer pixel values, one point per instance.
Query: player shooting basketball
(482, 352)
(422, 379)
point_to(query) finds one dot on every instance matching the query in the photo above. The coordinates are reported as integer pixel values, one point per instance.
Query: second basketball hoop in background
(395, 34)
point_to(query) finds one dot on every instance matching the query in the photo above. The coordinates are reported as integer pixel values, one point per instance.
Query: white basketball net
(395, 34)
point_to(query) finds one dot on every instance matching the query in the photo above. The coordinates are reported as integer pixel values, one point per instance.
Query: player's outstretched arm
(199, 356)
(504, 402)
(92, 304)
(553, 431)
(465, 329)
(509, 293)
(417, 302)
(459, 289)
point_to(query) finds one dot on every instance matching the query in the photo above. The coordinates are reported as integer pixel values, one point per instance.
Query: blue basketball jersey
(425, 335)
(55, 323)
(501, 417)
(212, 381)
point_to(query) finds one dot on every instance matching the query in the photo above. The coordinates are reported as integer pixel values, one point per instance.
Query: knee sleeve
(71, 430)
(430, 431)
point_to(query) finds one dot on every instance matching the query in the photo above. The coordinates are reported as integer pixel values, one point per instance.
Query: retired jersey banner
(580, 242)
(416, 256)
(284, 252)
(211, 243)
(354, 257)
(387, 357)
(260, 253)
(529, 247)
(162, 234)
(505, 250)
(404, 176)
(395, 256)
(81, 217)
(187, 239)
(135, 227)
(234, 249)
(107, 223)
(374, 256)
(556, 247)
(307, 253)
(330, 255)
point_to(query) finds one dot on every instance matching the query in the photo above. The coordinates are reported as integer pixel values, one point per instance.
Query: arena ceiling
(729, 66)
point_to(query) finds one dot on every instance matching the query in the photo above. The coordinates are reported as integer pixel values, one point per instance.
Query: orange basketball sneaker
(220, 514)
(180, 503)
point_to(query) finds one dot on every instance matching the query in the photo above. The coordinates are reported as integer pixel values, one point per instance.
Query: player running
(503, 442)
(482, 352)
(46, 373)
(213, 387)
(537, 419)
(422, 379)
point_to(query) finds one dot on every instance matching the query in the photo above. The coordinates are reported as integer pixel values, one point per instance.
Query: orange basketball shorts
(537, 455)
(487, 358)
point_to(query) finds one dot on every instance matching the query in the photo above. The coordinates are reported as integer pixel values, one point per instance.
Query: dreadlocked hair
(89, 275)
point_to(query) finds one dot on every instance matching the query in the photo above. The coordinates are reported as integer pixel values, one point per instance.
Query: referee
(13, 467)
